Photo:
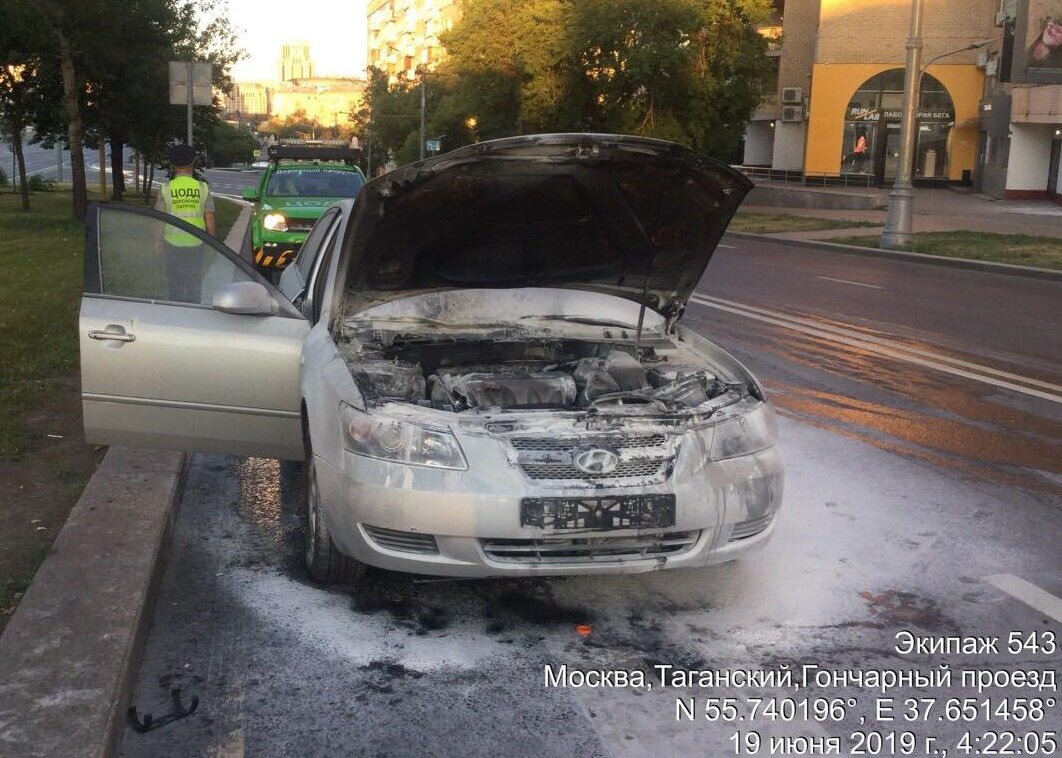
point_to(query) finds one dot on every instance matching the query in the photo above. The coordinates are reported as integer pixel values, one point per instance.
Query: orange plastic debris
(583, 630)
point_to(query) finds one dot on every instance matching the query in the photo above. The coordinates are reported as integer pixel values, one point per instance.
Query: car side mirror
(245, 299)
(250, 193)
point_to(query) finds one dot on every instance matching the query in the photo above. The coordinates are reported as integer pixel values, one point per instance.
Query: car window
(309, 249)
(314, 182)
(148, 258)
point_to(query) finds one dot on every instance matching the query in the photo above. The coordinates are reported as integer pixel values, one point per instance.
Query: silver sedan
(479, 360)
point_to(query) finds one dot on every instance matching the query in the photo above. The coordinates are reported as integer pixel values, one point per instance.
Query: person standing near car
(189, 199)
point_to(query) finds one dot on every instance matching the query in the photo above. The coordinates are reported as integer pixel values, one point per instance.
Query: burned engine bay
(526, 373)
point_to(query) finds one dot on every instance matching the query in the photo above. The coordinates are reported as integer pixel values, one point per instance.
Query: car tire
(323, 560)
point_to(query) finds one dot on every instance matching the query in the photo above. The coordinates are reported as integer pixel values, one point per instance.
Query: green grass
(1018, 249)
(41, 261)
(777, 223)
(226, 213)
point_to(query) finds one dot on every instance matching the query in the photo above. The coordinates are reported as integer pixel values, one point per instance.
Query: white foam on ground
(327, 621)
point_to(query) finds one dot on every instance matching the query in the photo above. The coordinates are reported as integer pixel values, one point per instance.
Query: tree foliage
(686, 70)
(103, 73)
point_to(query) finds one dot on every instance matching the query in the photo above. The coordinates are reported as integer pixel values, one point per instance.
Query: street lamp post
(901, 200)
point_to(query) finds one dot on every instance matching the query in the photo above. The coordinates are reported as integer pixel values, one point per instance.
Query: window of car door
(147, 255)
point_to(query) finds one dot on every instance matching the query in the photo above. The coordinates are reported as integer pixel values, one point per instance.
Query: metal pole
(898, 226)
(423, 112)
(368, 164)
(191, 100)
(58, 161)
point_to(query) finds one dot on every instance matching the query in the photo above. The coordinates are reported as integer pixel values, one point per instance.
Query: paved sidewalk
(938, 210)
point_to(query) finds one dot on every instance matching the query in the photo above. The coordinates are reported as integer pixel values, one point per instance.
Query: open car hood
(628, 216)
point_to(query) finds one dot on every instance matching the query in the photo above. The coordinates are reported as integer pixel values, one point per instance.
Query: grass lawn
(1019, 249)
(44, 461)
(776, 223)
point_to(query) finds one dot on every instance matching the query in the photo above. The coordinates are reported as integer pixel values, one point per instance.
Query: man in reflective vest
(189, 199)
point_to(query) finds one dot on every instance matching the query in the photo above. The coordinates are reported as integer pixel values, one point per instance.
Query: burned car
(480, 361)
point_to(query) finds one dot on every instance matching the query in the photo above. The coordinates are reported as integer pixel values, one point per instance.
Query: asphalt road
(43, 163)
(922, 430)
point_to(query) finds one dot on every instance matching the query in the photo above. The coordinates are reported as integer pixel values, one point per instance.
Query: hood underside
(628, 216)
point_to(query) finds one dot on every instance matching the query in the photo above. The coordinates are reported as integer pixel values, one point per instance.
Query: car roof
(313, 164)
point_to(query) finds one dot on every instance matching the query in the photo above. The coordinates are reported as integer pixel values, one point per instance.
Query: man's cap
(181, 155)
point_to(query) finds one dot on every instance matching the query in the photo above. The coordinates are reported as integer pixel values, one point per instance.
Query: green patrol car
(302, 180)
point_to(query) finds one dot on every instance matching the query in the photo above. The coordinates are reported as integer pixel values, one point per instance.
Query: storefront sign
(876, 114)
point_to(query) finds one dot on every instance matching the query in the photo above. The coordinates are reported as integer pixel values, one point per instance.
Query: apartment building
(404, 34)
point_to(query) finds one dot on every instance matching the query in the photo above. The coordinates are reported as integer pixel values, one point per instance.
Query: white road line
(1030, 594)
(855, 284)
(728, 247)
(891, 350)
(891, 344)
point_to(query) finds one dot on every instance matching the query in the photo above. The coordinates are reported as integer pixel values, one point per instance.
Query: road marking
(845, 281)
(728, 247)
(864, 337)
(1030, 594)
(889, 348)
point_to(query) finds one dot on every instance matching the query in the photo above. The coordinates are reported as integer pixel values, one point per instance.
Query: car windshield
(314, 182)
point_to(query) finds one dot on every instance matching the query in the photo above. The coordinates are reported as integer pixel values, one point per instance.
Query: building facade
(838, 107)
(989, 116)
(404, 34)
(295, 62)
(249, 100)
(328, 101)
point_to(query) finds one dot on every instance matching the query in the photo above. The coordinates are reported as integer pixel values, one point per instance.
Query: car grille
(589, 549)
(745, 529)
(645, 468)
(404, 542)
(549, 461)
(300, 224)
(615, 441)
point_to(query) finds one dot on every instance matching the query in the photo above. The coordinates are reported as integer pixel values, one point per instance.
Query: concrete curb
(70, 654)
(932, 260)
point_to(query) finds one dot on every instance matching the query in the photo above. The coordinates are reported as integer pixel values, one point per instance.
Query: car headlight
(744, 435)
(390, 439)
(275, 222)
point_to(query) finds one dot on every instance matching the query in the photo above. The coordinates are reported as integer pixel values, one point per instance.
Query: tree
(686, 70)
(115, 85)
(21, 41)
(295, 126)
(229, 145)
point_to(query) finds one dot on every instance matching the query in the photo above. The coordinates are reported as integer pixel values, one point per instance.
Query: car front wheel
(323, 560)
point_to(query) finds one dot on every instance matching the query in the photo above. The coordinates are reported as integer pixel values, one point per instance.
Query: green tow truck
(303, 178)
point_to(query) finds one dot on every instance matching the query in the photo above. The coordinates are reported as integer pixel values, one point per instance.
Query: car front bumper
(467, 523)
(278, 249)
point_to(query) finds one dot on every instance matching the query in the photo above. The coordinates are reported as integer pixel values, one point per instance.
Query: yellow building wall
(832, 87)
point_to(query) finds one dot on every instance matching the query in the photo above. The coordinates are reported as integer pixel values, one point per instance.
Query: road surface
(921, 426)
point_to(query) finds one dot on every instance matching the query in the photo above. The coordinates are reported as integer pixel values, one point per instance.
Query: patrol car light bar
(314, 152)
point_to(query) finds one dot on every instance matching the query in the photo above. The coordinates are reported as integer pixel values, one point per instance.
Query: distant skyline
(336, 30)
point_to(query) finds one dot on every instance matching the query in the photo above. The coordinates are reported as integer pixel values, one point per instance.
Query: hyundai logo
(596, 460)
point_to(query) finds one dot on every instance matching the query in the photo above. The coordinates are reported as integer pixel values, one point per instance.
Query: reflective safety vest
(185, 198)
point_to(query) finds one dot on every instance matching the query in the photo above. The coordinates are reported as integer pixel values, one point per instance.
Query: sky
(335, 29)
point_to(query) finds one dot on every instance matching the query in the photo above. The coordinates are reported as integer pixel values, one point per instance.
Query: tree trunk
(73, 119)
(117, 168)
(150, 181)
(16, 145)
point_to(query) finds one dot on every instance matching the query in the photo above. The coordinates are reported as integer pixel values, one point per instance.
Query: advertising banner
(1037, 43)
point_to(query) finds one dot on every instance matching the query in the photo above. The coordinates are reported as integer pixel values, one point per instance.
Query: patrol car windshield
(314, 182)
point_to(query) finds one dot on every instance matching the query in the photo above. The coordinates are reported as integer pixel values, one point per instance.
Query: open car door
(183, 345)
